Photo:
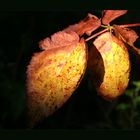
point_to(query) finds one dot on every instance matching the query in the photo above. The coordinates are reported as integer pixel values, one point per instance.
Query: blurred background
(20, 33)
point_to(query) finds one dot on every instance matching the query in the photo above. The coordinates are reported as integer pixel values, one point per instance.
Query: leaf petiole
(89, 38)
(104, 26)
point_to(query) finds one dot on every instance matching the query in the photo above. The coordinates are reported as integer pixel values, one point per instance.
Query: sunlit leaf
(110, 15)
(52, 77)
(110, 66)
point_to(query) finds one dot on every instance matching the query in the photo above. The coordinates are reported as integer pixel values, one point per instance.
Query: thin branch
(130, 25)
(135, 49)
(96, 34)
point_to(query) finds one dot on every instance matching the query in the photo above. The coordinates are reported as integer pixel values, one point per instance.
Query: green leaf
(137, 100)
(123, 106)
(129, 92)
(136, 83)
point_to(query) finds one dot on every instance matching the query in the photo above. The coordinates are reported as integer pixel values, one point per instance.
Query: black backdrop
(20, 33)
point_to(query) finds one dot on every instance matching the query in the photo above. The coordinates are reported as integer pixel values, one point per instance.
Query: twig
(96, 34)
(130, 25)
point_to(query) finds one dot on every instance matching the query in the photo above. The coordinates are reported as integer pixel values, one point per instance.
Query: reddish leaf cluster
(70, 35)
(91, 22)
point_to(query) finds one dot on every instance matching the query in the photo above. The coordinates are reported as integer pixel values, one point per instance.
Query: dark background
(20, 33)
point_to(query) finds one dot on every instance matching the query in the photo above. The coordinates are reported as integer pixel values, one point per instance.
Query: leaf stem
(89, 38)
(136, 49)
(130, 25)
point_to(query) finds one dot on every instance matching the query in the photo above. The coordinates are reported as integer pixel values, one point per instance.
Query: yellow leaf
(52, 77)
(109, 65)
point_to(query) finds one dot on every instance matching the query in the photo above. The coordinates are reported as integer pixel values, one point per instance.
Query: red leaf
(110, 15)
(87, 25)
(129, 36)
(59, 39)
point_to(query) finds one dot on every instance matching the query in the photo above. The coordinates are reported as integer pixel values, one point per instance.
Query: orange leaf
(53, 75)
(110, 15)
(109, 66)
(87, 25)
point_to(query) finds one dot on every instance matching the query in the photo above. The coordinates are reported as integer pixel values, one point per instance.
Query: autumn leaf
(110, 15)
(87, 25)
(109, 66)
(53, 75)
(59, 39)
(127, 35)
